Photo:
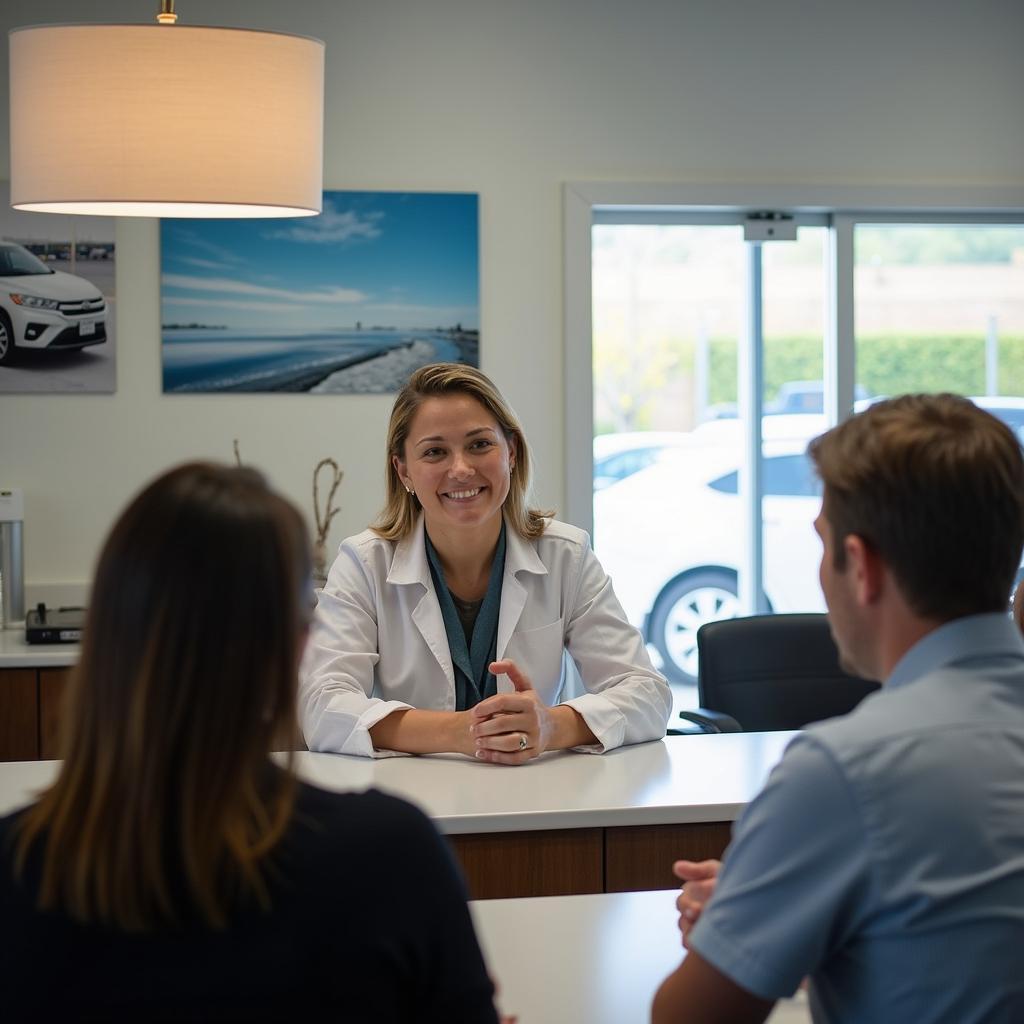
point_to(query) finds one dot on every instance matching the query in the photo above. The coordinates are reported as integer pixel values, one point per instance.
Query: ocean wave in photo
(204, 361)
(382, 373)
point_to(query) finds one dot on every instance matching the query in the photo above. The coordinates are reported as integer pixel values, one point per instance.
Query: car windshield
(18, 262)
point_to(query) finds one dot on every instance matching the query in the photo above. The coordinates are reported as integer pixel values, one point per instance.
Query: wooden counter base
(570, 862)
(499, 865)
(640, 857)
(30, 703)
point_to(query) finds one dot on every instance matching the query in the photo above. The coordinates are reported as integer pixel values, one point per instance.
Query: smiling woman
(464, 620)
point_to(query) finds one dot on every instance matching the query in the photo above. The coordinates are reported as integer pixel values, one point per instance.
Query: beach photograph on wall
(56, 302)
(351, 301)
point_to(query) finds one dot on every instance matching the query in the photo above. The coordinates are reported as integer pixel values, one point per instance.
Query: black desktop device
(54, 625)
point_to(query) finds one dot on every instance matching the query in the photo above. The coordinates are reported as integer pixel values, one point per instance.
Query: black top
(369, 923)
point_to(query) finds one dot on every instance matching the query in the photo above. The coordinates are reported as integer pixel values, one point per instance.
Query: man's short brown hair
(935, 485)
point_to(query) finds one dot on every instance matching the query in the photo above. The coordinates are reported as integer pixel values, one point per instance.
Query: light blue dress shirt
(885, 856)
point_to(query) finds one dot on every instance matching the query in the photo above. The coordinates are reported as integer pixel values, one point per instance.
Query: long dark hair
(186, 681)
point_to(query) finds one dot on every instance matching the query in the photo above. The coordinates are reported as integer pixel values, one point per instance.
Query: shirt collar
(410, 565)
(971, 636)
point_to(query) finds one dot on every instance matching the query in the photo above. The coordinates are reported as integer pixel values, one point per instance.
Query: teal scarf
(473, 682)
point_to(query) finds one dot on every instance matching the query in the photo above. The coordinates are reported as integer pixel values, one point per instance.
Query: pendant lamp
(166, 120)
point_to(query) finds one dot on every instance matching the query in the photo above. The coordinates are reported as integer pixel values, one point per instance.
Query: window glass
(791, 475)
(940, 307)
(16, 261)
(668, 306)
(669, 315)
(936, 307)
(784, 475)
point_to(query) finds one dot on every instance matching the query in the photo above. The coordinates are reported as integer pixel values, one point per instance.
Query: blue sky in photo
(395, 259)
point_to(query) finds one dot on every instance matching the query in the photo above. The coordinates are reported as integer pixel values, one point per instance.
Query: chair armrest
(704, 720)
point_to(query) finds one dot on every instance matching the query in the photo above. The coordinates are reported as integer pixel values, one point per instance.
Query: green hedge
(887, 364)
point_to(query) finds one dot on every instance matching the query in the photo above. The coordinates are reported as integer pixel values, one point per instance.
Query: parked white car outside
(669, 534)
(42, 308)
(617, 456)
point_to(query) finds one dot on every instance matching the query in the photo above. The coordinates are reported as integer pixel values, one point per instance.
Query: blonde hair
(186, 681)
(401, 509)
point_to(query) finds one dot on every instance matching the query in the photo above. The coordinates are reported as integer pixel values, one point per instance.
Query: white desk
(681, 779)
(590, 959)
(678, 780)
(565, 823)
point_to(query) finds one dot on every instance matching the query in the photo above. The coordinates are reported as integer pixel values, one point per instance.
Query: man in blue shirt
(884, 859)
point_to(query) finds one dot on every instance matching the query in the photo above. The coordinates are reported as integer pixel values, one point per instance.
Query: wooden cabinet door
(19, 715)
(501, 865)
(52, 684)
(641, 857)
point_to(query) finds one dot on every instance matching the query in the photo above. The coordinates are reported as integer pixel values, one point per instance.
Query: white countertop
(678, 780)
(597, 958)
(15, 653)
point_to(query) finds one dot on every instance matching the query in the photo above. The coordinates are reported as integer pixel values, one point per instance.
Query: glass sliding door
(795, 314)
(882, 291)
(668, 307)
(672, 304)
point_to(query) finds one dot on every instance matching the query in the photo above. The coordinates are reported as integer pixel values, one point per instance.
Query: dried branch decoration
(323, 516)
(323, 519)
(323, 522)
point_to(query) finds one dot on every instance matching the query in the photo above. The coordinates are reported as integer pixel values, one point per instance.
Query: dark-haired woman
(172, 871)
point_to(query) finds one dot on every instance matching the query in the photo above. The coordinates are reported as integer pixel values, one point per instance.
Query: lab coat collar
(410, 565)
(520, 556)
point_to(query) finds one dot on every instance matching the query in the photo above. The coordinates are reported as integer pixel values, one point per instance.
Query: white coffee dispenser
(12, 565)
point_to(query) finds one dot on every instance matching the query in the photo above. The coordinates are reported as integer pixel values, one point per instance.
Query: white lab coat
(378, 641)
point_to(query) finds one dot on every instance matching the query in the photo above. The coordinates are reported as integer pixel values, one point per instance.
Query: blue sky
(387, 258)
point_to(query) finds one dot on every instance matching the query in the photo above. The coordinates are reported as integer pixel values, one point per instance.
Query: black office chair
(770, 672)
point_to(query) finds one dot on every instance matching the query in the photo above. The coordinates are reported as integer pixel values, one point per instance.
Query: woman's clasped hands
(511, 728)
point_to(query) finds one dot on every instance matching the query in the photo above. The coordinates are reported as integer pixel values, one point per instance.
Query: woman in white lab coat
(464, 620)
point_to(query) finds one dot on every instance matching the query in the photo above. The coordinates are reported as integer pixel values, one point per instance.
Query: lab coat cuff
(360, 737)
(340, 731)
(603, 718)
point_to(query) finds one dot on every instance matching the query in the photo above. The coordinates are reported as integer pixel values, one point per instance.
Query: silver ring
(523, 742)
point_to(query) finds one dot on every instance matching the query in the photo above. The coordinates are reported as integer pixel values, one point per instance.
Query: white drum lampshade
(166, 121)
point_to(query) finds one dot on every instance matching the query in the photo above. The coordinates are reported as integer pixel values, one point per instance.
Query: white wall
(510, 98)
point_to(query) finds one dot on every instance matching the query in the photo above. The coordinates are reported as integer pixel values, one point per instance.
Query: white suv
(42, 308)
(669, 534)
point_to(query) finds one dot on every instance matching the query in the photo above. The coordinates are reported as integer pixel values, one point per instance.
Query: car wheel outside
(7, 353)
(681, 609)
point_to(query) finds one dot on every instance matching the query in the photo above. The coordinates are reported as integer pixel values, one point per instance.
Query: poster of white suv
(42, 308)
